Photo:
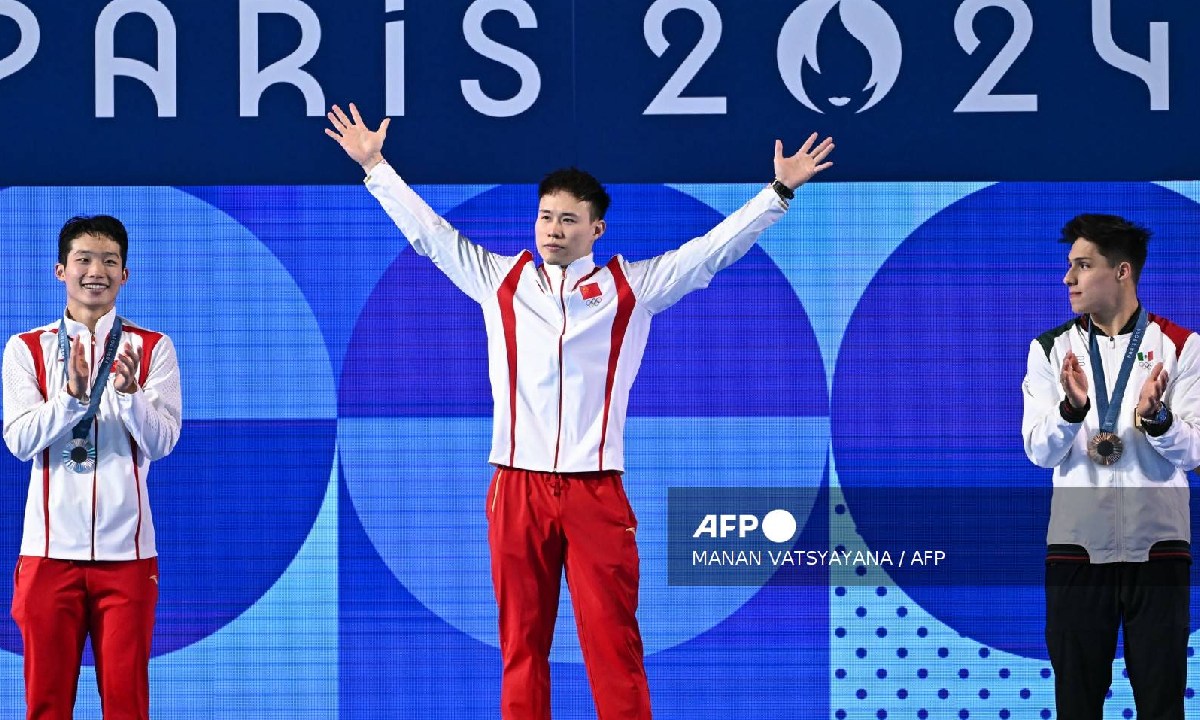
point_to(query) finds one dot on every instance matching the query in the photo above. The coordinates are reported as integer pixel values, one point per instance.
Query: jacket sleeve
(474, 270)
(32, 423)
(153, 414)
(1180, 444)
(660, 282)
(1048, 436)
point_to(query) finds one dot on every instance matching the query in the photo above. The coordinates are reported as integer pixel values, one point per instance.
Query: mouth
(95, 287)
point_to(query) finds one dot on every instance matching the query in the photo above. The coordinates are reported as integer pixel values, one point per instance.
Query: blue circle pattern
(939, 684)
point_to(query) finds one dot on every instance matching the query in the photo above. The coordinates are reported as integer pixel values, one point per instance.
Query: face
(93, 274)
(1094, 285)
(565, 229)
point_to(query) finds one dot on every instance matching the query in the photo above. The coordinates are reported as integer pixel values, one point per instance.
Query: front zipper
(562, 303)
(96, 445)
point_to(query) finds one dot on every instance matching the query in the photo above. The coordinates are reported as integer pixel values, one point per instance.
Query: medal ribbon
(110, 356)
(1109, 412)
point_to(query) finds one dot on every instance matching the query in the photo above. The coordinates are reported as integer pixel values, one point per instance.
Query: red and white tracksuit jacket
(565, 344)
(1115, 512)
(104, 514)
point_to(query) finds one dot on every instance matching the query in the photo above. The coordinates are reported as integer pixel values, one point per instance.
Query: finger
(128, 360)
(778, 149)
(354, 114)
(808, 144)
(383, 126)
(333, 119)
(334, 135)
(822, 166)
(823, 151)
(341, 115)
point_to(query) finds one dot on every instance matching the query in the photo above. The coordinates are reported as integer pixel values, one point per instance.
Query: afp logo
(866, 22)
(778, 526)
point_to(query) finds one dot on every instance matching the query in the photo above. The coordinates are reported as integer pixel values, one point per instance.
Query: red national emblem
(591, 294)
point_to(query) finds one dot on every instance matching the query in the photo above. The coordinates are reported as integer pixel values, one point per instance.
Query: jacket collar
(576, 271)
(103, 325)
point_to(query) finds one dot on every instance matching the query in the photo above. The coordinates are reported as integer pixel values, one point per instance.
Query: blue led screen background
(321, 527)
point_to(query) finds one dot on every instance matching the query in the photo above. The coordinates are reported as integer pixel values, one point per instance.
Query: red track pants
(57, 603)
(539, 523)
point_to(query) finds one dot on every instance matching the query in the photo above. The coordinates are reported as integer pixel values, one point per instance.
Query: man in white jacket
(565, 341)
(91, 399)
(1112, 403)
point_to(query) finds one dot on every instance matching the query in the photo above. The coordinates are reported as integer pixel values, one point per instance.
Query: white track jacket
(565, 344)
(103, 514)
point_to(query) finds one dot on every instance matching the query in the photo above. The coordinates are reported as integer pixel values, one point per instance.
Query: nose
(1069, 278)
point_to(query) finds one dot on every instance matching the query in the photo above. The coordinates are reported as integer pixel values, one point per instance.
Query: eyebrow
(77, 253)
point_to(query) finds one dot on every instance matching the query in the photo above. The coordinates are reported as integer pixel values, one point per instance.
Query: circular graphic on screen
(731, 393)
(235, 500)
(929, 453)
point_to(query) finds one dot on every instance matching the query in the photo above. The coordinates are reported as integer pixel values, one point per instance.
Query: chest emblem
(591, 294)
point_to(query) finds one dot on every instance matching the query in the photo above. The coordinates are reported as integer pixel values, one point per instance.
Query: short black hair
(1119, 240)
(579, 184)
(105, 226)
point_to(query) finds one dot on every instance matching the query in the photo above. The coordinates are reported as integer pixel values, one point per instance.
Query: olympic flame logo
(866, 22)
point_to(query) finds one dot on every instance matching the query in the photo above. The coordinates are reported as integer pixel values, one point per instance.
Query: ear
(598, 229)
(1124, 270)
(60, 272)
(124, 274)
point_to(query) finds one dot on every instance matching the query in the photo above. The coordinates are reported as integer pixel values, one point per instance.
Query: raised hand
(795, 170)
(125, 369)
(1152, 392)
(362, 144)
(78, 370)
(1074, 381)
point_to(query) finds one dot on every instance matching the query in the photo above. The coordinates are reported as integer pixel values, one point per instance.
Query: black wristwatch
(783, 191)
(1156, 425)
(1158, 419)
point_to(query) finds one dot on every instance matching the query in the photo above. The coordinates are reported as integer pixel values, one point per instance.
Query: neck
(1111, 322)
(87, 316)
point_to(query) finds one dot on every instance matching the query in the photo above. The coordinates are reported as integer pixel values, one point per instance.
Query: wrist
(371, 162)
(1073, 414)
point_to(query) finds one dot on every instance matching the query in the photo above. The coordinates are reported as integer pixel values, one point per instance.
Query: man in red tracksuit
(565, 341)
(91, 399)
